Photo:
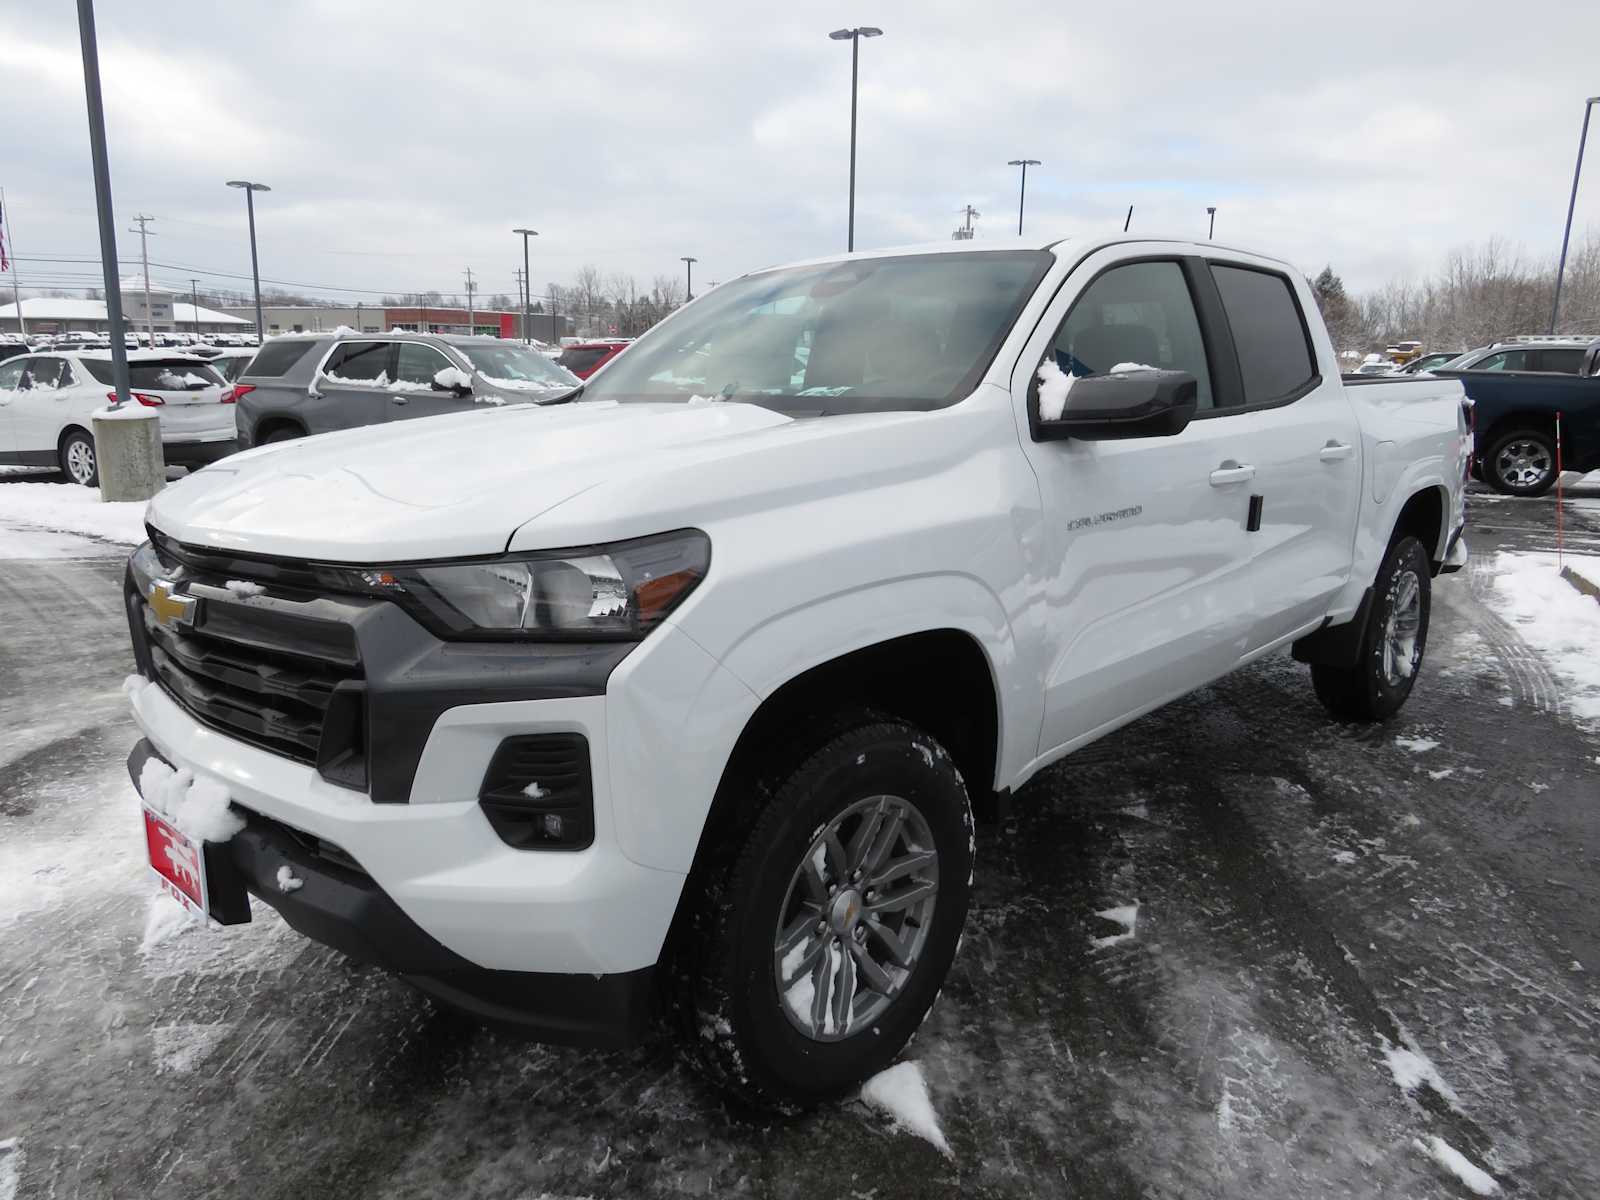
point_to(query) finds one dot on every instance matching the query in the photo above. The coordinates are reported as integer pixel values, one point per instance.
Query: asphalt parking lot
(1343, 943)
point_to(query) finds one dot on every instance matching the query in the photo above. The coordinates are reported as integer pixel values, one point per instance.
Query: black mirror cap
(459, 390)
(1129, 404)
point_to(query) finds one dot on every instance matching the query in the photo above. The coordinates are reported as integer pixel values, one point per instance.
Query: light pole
(250, 190)
(1588, 106)
(1022, 198)
(527, 287)
(102, 199)
(688, 266)
(853, 36)
(1211, 232)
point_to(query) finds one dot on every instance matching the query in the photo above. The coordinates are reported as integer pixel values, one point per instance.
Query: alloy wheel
(80, 462)
(1400, 629)
(1523, 463)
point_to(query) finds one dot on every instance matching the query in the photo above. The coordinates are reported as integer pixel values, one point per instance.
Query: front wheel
(78, 462)
(1392, 644)
(824, 932)
(1522, 463)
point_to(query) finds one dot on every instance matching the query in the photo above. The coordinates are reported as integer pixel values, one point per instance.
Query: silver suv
(299, 385)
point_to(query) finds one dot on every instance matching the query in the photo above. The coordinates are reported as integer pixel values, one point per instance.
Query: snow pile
(288, 881)
(452, 377)
(11, 1159)
(180, 1048)
(1411, 1069)
(697, 401)
(164, 920)
(1054, 385)
(1120, 367)
(1125, 915)
(534, 792)
(125, 412)
(198, 807)
(1478, 1181)
(1416, 745)
(902, 1094)
(72, 509)
(1557, 620)
(243, 588)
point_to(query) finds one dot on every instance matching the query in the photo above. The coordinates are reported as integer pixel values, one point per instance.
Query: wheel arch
(270, 424)
(1424, 515)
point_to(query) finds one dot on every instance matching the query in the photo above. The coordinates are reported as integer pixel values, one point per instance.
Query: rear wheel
(1392, 644)
(1522, 463)
(78, 462)
(825, 930)
(283, 433)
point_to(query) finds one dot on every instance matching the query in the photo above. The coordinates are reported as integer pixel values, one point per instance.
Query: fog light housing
(538, 792)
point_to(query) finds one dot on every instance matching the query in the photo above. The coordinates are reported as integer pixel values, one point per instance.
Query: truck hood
(445, 486)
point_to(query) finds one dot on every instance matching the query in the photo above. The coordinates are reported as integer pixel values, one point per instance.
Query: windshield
(518, 367)
(872, 335)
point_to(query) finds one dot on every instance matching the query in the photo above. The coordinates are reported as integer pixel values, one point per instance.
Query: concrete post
(127, 451)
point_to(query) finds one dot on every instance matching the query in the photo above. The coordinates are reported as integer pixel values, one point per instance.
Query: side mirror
(453, 380)
(1146, 402)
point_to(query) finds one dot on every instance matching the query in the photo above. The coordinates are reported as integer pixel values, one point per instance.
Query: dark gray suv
(316, 383)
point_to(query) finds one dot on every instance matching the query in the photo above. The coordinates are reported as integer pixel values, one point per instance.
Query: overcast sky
(404, 140)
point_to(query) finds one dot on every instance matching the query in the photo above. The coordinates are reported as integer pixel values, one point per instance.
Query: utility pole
(144, 255)
(964, 234)
(1128, 220)
(194, 300)
(16, 291)
(1561, 267)
(688, 264)
(1022, 197)
(527, 291)
(102, 196)
(1211, 232)
(471, 323)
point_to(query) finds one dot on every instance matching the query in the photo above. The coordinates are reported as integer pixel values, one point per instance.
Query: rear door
(353, 386)
(1297, 428)
(416, 392)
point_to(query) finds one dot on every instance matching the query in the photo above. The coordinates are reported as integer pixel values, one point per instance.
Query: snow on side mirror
(452, 379)
(1130, 401)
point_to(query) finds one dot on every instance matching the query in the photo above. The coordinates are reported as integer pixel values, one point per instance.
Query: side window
(360, 362)
(418, 364)
(11, 375)
(47, 373)
(1268, 332)
(1566, 360)
(1140, 314)
(1506, 360)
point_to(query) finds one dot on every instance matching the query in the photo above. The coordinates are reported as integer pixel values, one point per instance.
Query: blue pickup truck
(1517, 388)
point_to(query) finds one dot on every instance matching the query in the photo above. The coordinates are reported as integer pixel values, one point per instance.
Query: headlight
(619, 591)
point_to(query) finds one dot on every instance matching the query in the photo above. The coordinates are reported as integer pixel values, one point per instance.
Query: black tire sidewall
(1406, 554)
(882, 760)
(1491, 472)
(281, 434)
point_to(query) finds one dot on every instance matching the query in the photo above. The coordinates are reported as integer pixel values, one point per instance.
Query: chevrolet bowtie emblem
(168, 607)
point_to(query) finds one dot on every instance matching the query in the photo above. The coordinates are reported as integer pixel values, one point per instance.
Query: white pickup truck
(678, 697)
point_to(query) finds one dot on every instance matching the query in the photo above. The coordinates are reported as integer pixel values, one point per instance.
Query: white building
(168, 314)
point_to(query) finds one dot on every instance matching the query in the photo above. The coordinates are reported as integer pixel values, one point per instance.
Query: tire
(765, 887)
(78, 460)
(1521, 463)
(1393, 644)
(284, 433)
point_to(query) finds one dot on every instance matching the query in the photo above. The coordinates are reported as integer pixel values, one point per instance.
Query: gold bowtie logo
(168, 607)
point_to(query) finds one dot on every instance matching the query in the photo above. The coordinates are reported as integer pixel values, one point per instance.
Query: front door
(418, 393)
(1145, 550)
(41, 408)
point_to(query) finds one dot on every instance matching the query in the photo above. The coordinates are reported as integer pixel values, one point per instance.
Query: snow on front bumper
(593, 911)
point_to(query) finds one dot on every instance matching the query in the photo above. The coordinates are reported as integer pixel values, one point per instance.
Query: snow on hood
(443, 486)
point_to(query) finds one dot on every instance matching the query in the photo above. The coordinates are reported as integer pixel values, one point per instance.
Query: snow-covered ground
(1556, 619)
(69, 508)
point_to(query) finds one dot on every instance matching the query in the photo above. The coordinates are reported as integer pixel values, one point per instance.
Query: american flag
(5, 264)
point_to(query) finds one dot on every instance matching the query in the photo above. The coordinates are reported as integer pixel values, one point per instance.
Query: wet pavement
(1325, 913)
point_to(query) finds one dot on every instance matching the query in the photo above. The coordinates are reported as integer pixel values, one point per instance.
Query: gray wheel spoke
(844, 991)
(899, 953)
(861, 844)
(900, 901)
(877, 977)
(821, 980)
(838, 862)
(888, 835)
(815, 884)
(806, 962)
(898, 868)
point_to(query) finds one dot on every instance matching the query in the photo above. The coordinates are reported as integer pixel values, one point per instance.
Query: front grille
(259, 672)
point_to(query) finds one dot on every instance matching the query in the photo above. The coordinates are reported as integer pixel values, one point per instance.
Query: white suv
(47, 398)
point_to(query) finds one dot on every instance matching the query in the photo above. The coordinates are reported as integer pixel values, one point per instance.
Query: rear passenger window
(1138, 315)
(359, 362)
(1268, 333)
(1566, 361)
(276, 357)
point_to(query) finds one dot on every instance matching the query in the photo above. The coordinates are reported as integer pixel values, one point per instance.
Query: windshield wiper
(565, 397)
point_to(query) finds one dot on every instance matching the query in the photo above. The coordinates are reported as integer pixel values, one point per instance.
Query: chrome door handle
(1231, 472)
(1336, 451)
(398, 400)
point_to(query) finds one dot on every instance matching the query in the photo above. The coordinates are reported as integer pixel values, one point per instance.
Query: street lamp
(1022, 199)
(1212, 231)
(853, 36)
(250, 190)
(527, 289)
(1583, 137)
(688, 266)
(102, 199)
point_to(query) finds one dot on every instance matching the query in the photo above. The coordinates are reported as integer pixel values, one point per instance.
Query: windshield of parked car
(865, 335)
(519, 368)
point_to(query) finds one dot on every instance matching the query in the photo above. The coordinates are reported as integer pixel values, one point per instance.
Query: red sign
(179, 860)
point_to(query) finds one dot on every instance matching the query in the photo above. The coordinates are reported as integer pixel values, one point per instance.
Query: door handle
(1336, 451)
(1232, 472)
(398, 400)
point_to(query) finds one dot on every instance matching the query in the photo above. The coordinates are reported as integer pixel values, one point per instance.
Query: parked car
(295, 386)
(690, 691)
(1428, 361)
(1517, 388)
(1377, 368)
(46, 401)
(585, 358)
(230, 363)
